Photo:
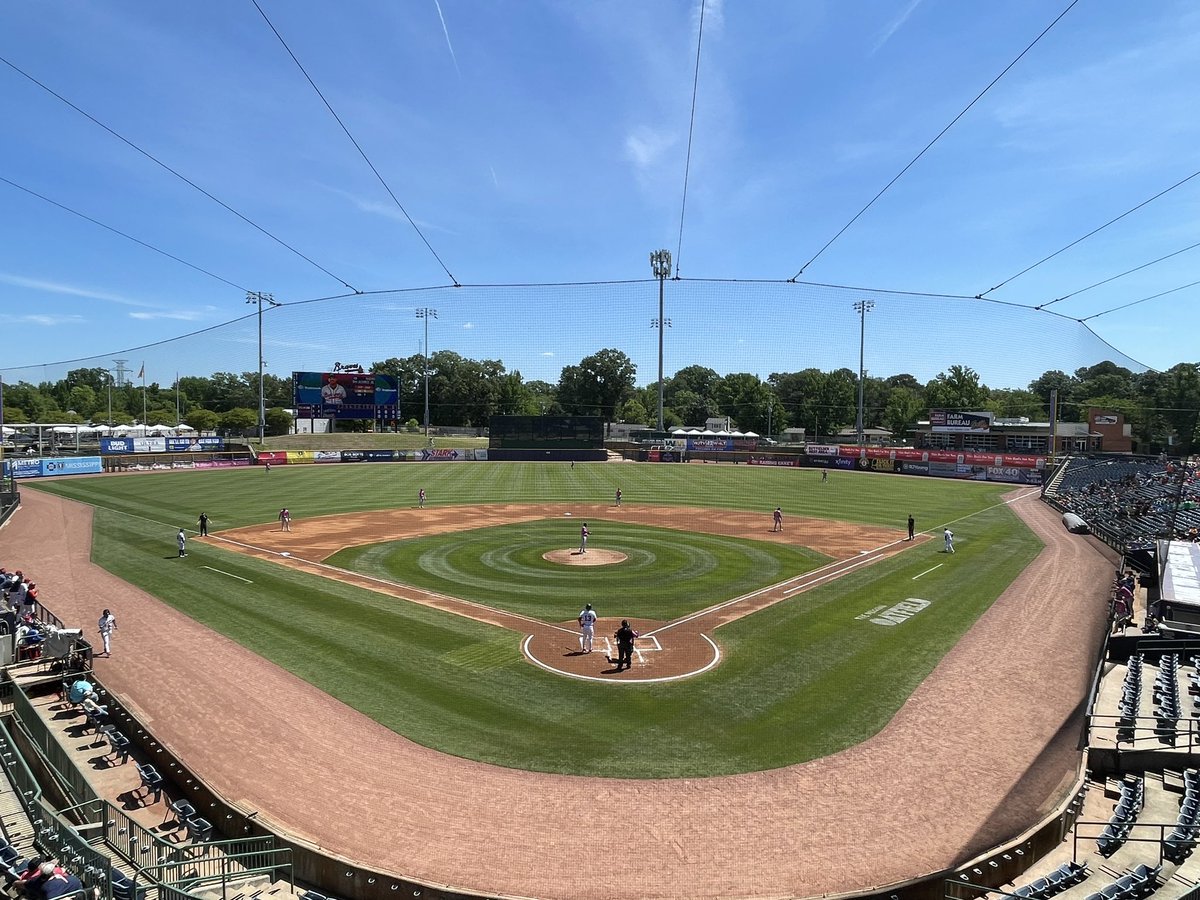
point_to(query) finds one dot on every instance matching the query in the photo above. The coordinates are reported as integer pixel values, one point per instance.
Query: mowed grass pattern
(666, 574)
(799, 680)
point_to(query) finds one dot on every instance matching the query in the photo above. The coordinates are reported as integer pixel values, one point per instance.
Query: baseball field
(454, 625)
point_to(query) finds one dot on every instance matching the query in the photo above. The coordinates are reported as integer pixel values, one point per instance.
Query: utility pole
(862, 307)
(426, 313)
(660, 265)
(259, 298)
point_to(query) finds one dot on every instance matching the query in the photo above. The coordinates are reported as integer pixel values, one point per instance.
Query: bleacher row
(1125, 813)
(1174, 699)
(1179, 843)
(1136, 879)
(1136, 501)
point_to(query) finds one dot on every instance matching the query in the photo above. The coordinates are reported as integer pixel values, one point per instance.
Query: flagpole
(143, 374)
(176, 400)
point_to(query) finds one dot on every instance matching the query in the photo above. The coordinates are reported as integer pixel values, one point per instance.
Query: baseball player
(948, 536)
(587, 627)
(777, 517)
(583, 536)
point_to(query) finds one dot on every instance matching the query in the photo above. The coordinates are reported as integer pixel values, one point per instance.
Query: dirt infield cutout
(665, 651)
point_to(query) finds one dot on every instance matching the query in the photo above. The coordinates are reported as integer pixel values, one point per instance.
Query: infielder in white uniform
(587, 628)
(948, 535)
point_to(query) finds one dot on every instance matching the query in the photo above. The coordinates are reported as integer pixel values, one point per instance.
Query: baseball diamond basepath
(988, 743)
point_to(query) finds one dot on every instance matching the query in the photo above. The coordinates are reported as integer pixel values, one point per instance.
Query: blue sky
(536, 142)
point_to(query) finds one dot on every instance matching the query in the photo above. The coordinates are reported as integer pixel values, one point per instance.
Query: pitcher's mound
(591, 558)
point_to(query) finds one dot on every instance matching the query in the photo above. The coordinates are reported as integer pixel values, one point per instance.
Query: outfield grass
(800, 680)
(667, 573)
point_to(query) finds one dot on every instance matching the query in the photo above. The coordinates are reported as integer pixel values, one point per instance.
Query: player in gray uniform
(587, 628)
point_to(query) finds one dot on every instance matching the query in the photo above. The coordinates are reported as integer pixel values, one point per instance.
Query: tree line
(466, 392)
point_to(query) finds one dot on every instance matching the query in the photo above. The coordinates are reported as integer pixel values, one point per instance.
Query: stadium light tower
(426, 313)
(660, 265)
(862, 307)
(259, 298)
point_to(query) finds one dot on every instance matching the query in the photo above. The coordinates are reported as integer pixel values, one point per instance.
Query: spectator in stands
(92, 706)
(32, 882)
(31, 600)
(58, 882)
(17, 595)
(32, 870)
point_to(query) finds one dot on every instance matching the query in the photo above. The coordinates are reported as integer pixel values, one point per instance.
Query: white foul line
(927, 571)
(230, 574)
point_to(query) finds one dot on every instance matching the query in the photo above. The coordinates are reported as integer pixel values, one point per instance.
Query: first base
(285, 553)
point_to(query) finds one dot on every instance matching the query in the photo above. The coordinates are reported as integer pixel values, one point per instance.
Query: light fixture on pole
(426, 313)
(660, 265)
(258, 297)
(862, 307)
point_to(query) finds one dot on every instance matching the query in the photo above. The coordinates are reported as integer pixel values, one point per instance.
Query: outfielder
(587, 628)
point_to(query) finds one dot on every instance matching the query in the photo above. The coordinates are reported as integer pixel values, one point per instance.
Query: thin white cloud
(41, 319)
(714, 15)
(183, 315)
(895, 25)
(386, 209)
(70, 290)
(645, 147)
(468, 324)
(548, 353)
(446, 32)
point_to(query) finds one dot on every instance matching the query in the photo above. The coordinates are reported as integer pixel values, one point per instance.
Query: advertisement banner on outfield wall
(788, 461)
(444, 455)
(1014, 475)
(349, 456)
(220, 463)
(822, 450)
(274, 457)
(49, 468)
(327, 456)
(876, 464)
(161, 445)
(379, 455)
(949, 421)
(481, 454)
(299, 457)
(710, 444)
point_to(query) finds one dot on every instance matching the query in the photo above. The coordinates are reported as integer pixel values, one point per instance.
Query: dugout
(546, 439)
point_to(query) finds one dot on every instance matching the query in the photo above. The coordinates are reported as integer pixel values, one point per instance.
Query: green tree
(1012, 403)
(634, 413)
(903, 410)
(240, 419)
(278, 420)
(693, 408)
(958, 388)
(746, 399)
(597, 384)
(202, 419)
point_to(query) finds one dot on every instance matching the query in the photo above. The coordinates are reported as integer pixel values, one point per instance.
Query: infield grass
(799, 680)
(666, 574)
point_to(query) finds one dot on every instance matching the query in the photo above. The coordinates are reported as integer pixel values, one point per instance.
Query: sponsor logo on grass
(896, 614)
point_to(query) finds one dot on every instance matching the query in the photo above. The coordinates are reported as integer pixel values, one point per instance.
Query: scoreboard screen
(345, 395)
